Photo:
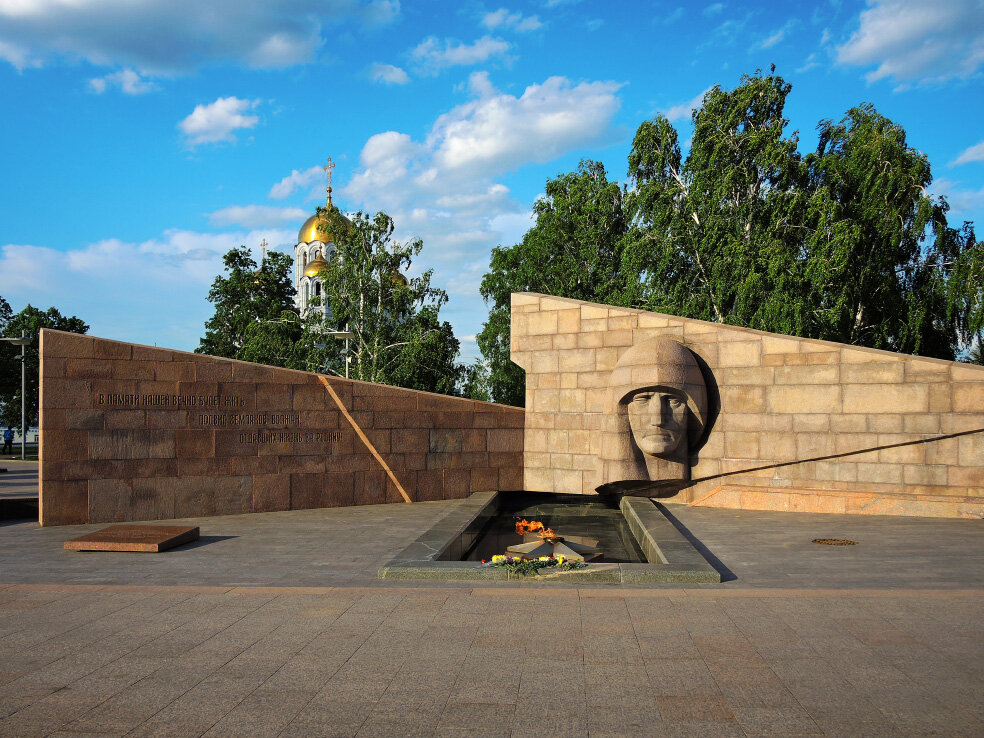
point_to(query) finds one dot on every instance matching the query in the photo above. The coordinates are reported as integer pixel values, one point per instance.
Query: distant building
(313, 252)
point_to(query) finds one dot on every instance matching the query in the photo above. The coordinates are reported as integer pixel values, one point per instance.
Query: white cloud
(218, 120)
(294, 181)
(480, 85)
(714, 9)
(487, 136)
(974, 153)
(381, 12)
(683, 111)
(497, 133)
(163, 298)
(502, 18)
(810, 63)
(279, 50)
(127, 80)
(775, 37)
(17, 55)
(431, 55)
(256, 216)
(177, 36)
(444, 190)
(388, 74)
(917, 40)
(770, 41)
(966, 204)
(594, 24)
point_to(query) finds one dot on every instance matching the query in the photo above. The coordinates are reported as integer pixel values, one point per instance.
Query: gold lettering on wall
(223, 420)
(290, 437)
(124, 399)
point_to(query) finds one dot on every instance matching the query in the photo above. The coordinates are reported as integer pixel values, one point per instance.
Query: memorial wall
(709, 414)
(132, 432)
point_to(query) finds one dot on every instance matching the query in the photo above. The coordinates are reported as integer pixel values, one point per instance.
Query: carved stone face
(656, 416)
(658, 420)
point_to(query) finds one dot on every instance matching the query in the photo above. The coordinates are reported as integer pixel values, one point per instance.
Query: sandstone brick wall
(131, 432)
(800, 424)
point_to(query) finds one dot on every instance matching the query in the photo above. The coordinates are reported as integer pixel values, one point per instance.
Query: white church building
(313, 252)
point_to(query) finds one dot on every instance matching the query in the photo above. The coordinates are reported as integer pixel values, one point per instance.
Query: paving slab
(275, 624)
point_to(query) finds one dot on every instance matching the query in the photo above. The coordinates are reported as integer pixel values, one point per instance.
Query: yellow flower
(498, 559)
(544, 558)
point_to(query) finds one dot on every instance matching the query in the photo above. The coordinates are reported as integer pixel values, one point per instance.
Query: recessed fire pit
(635, 542)
(538, 540)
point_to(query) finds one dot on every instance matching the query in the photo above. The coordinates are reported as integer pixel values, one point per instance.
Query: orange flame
(534, 526)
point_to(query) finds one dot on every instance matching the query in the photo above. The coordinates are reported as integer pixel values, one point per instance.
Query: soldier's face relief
(658, 421)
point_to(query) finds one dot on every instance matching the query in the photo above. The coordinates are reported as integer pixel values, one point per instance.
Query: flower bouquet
(525, 567)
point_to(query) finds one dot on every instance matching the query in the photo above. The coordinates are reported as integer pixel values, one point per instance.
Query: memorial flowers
(526, 567)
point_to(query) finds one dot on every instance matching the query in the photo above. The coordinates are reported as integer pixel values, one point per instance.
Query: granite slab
(142, 538)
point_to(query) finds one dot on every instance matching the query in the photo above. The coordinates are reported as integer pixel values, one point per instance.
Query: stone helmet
(662, 364)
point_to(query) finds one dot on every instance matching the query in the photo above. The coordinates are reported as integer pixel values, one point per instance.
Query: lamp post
(339, 335)
(22, 342)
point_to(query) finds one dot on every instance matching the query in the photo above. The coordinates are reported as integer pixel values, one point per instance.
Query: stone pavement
(274, 625)
(20, 480)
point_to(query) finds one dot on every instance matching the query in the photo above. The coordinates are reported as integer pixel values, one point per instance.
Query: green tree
(8, 382)
(255, 318)
(574, 250)
(843, 244)
(880, 257)
(399, 338)
(714, 236)
(28, 322)
(976, 355)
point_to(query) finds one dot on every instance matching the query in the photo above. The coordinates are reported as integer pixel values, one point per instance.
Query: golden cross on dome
(327, 169)
(263, 245)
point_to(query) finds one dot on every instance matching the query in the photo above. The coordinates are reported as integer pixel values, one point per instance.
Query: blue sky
(141, 139)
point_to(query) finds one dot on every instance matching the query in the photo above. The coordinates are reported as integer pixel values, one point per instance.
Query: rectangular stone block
(813, 375)
(885, 398)
(805, 399)
(743, 399)
(740, 353)
(64, 503)
(271, 492)
(968, 397)
(138, 538)
(741, 445)
(881, 373)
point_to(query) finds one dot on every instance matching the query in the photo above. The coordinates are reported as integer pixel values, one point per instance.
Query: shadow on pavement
(726, 574)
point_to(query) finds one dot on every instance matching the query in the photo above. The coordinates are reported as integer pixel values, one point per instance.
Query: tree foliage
(843, 244)
(27, 322)
(574, 250)
(255, 318)
(399, 338)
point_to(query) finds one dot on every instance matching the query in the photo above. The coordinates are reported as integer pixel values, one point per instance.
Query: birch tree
(398, 336)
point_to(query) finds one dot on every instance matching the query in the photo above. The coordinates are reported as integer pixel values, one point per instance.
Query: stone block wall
(796, 424)
(132, 432)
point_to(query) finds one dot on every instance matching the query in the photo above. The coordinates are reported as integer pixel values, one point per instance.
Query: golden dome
(314, 267)
(313, 229)
(310, 232)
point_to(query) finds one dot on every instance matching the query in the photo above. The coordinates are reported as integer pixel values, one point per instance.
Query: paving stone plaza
(275, 624)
